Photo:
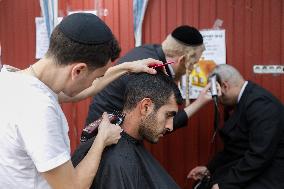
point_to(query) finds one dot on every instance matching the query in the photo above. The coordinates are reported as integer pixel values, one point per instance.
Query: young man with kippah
(184, 46)
(35, 147)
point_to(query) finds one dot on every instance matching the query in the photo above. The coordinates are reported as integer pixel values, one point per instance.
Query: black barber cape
(127, 165)
(112, 96)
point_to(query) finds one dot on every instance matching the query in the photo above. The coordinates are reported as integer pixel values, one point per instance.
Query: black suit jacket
(253, 154)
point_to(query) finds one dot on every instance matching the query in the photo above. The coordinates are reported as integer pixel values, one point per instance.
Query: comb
(160, 65)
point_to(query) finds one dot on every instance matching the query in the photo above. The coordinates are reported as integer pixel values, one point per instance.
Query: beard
(148, 128)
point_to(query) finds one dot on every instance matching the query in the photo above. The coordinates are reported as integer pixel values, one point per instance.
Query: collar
(130, 138)
(171, 70)
(160, 53)
(162, 58)
(242, 91)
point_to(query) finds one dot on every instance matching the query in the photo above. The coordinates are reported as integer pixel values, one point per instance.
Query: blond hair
(173, 48)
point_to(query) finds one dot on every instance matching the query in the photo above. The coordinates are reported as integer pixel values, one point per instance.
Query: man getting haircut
(149, 107)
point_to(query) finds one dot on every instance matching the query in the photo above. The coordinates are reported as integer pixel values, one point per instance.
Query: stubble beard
(147, 128)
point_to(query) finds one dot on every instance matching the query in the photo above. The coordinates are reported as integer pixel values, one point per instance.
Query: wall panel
(254, 35)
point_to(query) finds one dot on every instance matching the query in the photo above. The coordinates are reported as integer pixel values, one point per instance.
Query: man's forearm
(66, 177)
(98, 85)
(194, 107)
(86, 170)
(112, 74)
(181, 118)
(203, 98)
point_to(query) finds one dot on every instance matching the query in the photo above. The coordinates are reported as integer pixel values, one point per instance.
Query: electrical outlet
(268, 69)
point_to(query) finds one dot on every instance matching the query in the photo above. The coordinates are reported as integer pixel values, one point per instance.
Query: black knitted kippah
(187, 35)
(85, 28)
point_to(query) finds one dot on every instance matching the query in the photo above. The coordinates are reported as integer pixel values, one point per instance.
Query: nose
(169, 125)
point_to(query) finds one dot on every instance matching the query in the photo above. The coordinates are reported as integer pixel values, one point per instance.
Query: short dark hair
(158, 87)
(67, 51)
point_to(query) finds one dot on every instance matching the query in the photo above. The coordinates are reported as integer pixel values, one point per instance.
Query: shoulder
(141, 52)
(24, 94)
(122, 154)
(258, 95)
(8, 68)
(35, 106)
(260, 103)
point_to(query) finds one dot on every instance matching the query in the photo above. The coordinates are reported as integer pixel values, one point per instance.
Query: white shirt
(171, 70)
(6, 68)
(242, 91)
(33, 132)
(3, 68)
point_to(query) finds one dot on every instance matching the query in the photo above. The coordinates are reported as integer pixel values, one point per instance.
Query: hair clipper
(91, 130)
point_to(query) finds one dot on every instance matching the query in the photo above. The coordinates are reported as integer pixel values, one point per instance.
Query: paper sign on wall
(42, 40)
(215, 53)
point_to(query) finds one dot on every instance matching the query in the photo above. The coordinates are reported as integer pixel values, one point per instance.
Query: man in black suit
(253, 137)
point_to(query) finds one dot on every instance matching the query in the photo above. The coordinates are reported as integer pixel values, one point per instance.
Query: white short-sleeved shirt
(8, 68)
(33, 132)
(3, 68)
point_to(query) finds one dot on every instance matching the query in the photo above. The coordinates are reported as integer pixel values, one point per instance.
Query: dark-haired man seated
(149, 107)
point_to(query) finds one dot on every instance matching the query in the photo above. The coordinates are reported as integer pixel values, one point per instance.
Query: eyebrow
(171, 113)
(99, 78)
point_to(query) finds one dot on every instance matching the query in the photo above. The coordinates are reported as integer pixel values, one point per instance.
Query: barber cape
(127, 165)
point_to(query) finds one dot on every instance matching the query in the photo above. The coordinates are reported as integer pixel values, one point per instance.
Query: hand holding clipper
(92, 129)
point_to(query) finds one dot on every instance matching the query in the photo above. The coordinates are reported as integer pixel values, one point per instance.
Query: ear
(181, 60)
(78, 70)
(146, 106)
(225, 86)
